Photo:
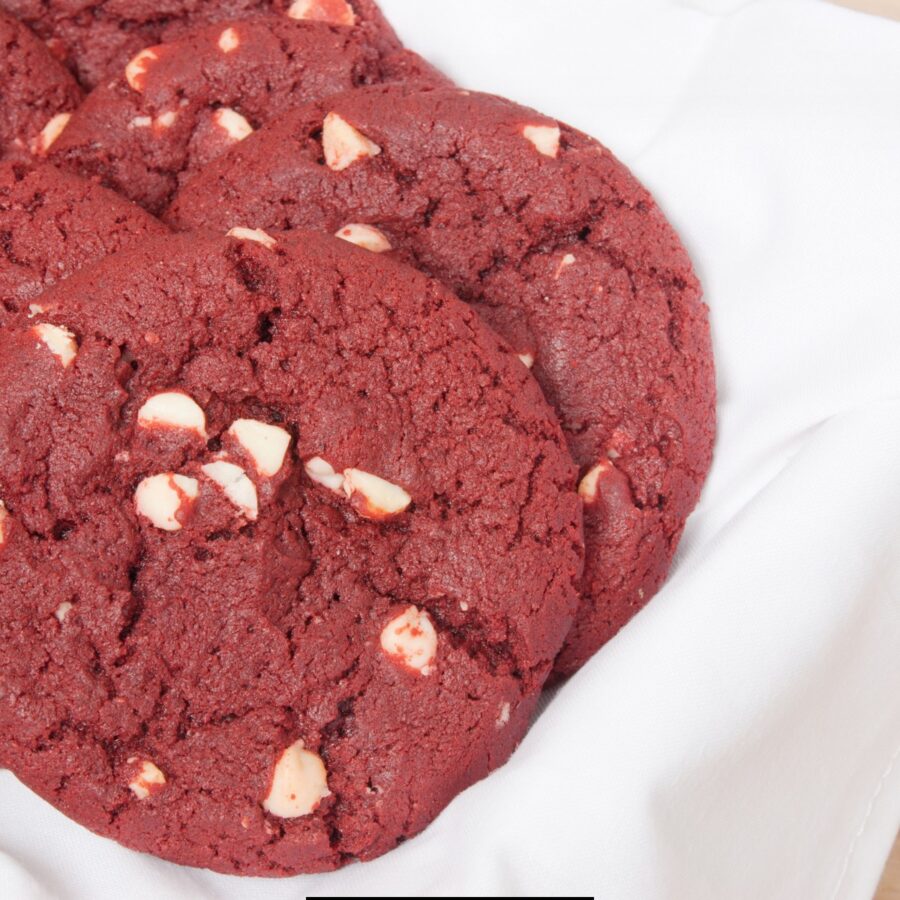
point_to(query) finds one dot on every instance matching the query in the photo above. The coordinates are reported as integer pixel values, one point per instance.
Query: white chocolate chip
(463, 606)
(544, 137)
(34, 309)
(503, 717)
(229, 40)
(364, 236)
(527, 359)
(564, 263)
(235, 126)
(265, 444)
(166, 119)
(140, 122)
(335, 12)
(173, 409)
(589, 486)
(343, 144)
(50, 132)
(59, 341)
(299, 783)
(322, 472)
(411, 640)
(160, 498)
(374, 497)
(4, 515)
(147, 780)
(136, 70)
(62, 611)
(257, 235)
(236, 486)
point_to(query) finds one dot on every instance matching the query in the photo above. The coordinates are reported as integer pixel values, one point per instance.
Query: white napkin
(741, 738)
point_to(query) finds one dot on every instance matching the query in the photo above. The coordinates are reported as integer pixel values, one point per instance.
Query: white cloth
(741, 738)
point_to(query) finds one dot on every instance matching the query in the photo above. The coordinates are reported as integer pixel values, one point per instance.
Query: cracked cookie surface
(96, 38)
(560, 249)
(288, 545)
(36, 92)
(53, 223)
(174, 107)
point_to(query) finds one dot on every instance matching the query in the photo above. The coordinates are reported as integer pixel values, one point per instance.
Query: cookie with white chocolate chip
(288, 545)
(561, 251)
(96, 38)
(173, 107)
(37, 94)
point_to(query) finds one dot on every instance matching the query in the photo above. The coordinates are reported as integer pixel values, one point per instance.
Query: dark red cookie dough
(96, 38)
(561, 250)
(53, 223)
(34, 88)
(153, 675)
(174, 107)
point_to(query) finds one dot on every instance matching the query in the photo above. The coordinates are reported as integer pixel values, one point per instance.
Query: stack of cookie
(341, 410)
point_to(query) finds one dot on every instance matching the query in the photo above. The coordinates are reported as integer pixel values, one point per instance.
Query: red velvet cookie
(36, 92)
(96, 38)
(175, 107)
(288, 545)
(53, 223)
(560, 249)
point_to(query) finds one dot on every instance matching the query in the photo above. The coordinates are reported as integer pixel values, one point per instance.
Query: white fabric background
(741, 738)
